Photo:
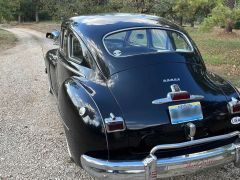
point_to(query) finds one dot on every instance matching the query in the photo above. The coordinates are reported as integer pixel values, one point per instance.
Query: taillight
(177, 94)
(234, 106)
(182, 95)
(114, 124)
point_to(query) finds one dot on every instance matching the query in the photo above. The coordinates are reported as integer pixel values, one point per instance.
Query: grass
(7, 40)
(220, 51)
(41, 27)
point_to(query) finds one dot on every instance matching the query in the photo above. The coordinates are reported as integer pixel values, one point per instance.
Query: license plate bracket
(185, 112)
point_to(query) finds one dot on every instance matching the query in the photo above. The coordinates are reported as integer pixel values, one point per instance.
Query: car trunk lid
(149, 124)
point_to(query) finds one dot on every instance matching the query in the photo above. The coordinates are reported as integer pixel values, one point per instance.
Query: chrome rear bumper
(152, 168)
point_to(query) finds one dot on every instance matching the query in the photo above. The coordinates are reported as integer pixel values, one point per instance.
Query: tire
(69, 152)
(73, 152)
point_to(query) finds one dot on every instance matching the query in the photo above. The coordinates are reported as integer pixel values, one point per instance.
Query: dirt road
(32, 142)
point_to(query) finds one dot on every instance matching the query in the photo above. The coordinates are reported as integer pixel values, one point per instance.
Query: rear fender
(88, 133)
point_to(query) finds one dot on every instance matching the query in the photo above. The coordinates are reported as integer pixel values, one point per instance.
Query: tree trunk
(229, 27)
(37, 11)
(230, 24)
(19, 18)
(192, 23)
(181, 21)
(37, 16)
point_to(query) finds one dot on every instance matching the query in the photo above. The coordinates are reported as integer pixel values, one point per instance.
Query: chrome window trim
(152, 27)
(84, 41)
(62, 43)
(61, 39)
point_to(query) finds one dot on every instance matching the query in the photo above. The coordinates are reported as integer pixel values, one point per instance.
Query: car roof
(92, 29)
(105, 23)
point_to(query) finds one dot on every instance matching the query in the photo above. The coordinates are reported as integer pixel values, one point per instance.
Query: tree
(164, 8)
(225, 14)
(37, 4)
(190, 10)
(8, 9)
(66, 8)
(231, 4)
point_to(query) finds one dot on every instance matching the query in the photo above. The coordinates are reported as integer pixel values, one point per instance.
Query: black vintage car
(137, 101)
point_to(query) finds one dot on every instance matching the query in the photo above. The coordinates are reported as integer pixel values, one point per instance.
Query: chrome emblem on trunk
(171, 80)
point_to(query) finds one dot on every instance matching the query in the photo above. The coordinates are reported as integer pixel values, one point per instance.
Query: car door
(55, 55)
(74, 58)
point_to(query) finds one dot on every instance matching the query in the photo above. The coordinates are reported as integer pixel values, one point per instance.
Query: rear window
(144, 41)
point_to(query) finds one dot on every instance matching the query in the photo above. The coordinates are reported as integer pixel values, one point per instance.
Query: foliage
(8, 8)
(182, 11)
(192, 10)
(223, 16)
(59, 9)
(237, 24)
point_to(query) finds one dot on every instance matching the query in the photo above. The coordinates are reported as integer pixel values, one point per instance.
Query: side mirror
(53, 35)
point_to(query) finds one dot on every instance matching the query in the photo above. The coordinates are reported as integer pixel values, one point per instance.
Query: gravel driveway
(32, 142)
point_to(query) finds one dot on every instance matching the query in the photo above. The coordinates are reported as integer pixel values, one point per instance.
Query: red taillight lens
(182, 95)
(115, 126)
(236, 108)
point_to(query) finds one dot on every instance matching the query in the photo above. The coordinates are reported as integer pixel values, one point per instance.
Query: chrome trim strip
(152, 168)
(151, 27)
(168, 99)
(71, 69)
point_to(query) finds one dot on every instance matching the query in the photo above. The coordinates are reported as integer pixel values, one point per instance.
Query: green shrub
(237, 25)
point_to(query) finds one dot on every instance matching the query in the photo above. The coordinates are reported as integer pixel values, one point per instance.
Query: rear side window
(180, 43)
(145, 41)
(79, 53)
(75, 50)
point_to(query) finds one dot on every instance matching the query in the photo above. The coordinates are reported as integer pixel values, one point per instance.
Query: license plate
(185, 112)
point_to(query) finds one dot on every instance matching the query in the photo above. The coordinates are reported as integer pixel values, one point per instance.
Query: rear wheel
(69, 152)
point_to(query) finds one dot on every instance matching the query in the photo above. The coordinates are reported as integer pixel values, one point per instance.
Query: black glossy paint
(126, 87)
